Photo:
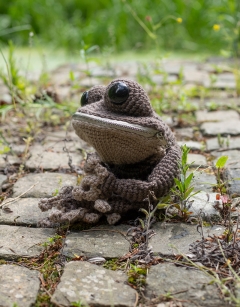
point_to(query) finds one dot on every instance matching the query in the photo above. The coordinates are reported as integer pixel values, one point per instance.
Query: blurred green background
(211, 26)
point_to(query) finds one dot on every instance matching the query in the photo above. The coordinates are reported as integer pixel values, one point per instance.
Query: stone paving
(48, 170)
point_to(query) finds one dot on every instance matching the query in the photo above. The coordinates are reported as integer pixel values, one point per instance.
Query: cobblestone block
(192, 286)
(43, 184)
(107, 243)
(19, 286)
(94, 286)
(24, 212)
(16, 242)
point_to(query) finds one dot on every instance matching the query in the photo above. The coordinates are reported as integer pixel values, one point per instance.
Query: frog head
(120, 123)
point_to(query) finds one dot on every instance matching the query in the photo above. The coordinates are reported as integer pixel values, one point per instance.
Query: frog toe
(113, 218)
(91, 218)
(102, 206)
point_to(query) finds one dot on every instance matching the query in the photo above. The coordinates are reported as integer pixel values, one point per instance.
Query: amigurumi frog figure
(136, 154)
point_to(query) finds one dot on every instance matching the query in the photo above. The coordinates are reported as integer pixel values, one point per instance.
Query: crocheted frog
(136, 154)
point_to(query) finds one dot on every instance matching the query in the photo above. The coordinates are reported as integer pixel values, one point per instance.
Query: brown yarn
(137, 104)
(125, 168)
(96, 93)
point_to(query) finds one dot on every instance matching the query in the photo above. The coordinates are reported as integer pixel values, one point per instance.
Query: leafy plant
(112, 26)
(51, 241)
(184, 188)
(3, 148)
(55, 193)
(223, 142)
(18, 86)
(114, 264)
(149, 26)
(137, 275)
(220, 164)
(85, 52)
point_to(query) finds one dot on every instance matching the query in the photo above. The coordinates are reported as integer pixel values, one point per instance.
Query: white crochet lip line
(120, 125)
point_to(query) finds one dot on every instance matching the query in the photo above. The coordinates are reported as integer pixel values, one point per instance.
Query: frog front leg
(159, 181)
(90, 188)
(81, 203)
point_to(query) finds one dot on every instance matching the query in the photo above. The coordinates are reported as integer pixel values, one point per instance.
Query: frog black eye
(118, 93)
(84, 99)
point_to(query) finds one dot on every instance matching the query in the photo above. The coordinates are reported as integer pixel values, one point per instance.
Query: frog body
(136, 155)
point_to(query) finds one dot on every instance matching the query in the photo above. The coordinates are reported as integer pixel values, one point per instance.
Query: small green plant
(3, 148)
(149, 26)
(183, 189)
(162, 204)
(212, 106)
(180, 194)
(51, 241)
(85, 52)
(213, 79)
(55, 193)
(114, 264)
(220, 164)
(18, 86)
(222, 142)
(79, 304)
(144, 75)
(137, 275)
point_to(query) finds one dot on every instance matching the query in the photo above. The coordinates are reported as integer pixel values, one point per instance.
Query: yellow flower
(179, 20)
(216, 27)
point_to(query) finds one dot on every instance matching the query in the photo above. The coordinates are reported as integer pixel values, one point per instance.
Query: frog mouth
(98, 121)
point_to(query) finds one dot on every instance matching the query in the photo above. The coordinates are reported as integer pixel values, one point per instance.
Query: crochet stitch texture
(129, 163)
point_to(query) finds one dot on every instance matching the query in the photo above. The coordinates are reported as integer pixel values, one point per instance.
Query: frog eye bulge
(84, 99)
(118, 93)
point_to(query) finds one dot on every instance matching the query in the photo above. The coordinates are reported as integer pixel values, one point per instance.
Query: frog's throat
(98, 121)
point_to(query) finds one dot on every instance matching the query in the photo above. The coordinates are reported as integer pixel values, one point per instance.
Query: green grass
(112, 25)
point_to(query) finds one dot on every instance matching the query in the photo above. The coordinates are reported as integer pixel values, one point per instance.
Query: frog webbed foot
(64, 198)
(65, 209)
(73, 216)
(63, 216)
(70, 216)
